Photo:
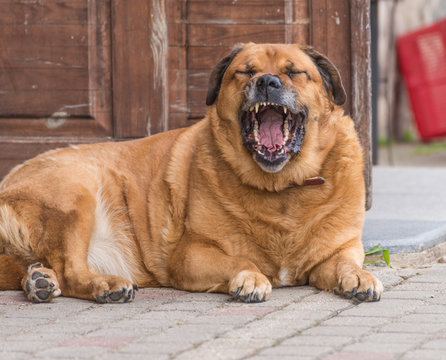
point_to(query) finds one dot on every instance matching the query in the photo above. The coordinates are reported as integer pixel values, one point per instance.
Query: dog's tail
(14, 237)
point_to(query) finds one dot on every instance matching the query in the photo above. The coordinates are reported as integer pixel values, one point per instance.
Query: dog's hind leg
(11, 273)
(57, 235)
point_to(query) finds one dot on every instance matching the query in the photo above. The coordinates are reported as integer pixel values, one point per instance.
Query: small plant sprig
(378, 249)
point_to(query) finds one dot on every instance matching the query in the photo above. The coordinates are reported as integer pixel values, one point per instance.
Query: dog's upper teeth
(285, 109)
(257, 107)
(251, 108)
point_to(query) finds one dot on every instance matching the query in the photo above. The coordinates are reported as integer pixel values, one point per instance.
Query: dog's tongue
(270, 130)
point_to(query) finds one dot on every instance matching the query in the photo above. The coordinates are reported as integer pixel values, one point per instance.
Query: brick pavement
(297, 323)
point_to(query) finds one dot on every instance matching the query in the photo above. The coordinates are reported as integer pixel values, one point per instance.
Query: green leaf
(386, 256)
(374, 250)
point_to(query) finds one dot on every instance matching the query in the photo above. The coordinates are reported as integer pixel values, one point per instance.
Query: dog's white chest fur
(109, 251)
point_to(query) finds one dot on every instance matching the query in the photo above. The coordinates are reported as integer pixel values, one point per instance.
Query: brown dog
(236, 203)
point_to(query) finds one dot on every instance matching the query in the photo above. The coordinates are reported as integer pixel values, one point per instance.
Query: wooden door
(74, 71)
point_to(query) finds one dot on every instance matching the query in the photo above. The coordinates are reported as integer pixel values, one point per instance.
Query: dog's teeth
(257, 107)
(285, 109)
(256, 131)
(251, 108)
(286, 132)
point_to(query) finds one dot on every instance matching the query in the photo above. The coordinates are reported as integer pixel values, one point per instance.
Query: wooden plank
(301, 22)
(236, 12)
(14, 151)
(37, 103)
(176, 17)
(56, 125)
(41, 91)
(338, 27)
(17, 79)
(205, 57)
(227, 35)
(330, 34)
(68, 57)
(48, 12)
(177, 87)
(140, 88)
(34, 36)
(361, 84)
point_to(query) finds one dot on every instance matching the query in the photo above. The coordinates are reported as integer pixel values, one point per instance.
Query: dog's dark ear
(330, 75)
(217, 74)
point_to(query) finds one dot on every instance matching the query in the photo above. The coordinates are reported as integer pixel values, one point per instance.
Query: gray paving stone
(71, 352)
(425, 355)
(384, 308)
(278, 351)
(356, 321)
(378, 348)
(431, 309)
(414, 295)
(395, 338)
(424, 318)
(439, 344)
(318, 340)
(421, 328)
(338, 330)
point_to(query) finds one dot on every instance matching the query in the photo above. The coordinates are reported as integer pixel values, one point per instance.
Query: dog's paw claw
(360, 285)
(123, 295)
(250, 287)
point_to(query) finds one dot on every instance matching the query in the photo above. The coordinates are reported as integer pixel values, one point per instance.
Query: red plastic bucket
(422, 60)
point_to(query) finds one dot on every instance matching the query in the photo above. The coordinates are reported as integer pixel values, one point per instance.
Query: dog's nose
(268, 82)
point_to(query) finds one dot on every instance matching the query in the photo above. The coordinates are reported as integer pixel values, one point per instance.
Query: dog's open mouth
(272, 132)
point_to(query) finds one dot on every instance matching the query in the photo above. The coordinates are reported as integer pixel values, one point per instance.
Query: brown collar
(317, 180)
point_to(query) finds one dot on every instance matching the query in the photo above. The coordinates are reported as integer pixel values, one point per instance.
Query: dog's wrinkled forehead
(272, 58)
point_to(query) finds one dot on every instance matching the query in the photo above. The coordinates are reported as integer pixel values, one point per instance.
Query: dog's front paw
(361, 285)
(250, 286)
(41, 284)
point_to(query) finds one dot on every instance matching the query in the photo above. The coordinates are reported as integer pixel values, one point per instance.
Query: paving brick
(355, 355)
(431, 309)
(384, 308)
(11, 355)
(425, 355)
(147, 346)
(338, 330)
(436, 344)
(378, 348)
(438, 299)
(165, 323)
(242, 310)
(321, 301)
(403, 327)
(22, 346)
(424, 318)
(282, 357)
(356, 321)
(414, 295)
(394, 338)
(218, 349)
(290, 313)
(318, 340)
(421, 286)
(278, 351)
(71, 352)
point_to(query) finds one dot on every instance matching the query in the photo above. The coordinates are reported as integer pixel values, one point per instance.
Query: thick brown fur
(191, 209)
